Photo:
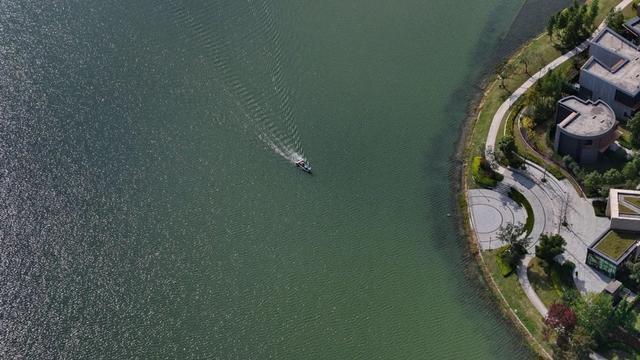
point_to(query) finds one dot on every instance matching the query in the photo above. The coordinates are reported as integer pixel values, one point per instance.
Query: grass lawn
(550, 284)
(515, 296)
(615, 243)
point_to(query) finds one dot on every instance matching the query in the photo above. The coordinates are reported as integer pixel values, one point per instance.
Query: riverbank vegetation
(483, 174)
(517, 301)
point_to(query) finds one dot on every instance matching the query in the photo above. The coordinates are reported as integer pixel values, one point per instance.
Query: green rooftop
(615, 243)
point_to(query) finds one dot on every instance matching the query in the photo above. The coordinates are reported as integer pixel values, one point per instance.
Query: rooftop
(587, 118)
(614, 244)
(622, 68)
(624, 203)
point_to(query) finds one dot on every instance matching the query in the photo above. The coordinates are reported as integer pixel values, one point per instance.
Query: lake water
(151, 209)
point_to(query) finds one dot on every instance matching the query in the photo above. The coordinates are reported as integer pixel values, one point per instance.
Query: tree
(507, 145)
(612, 177)
(561, 318)
(507, 148)
(615, 20)
(593, 181)
(573, 24)
(551, 25)
(515, 236)
(634, 270)
(634, 126)
(596, 314)
(542, 98)
(581, 344)
(503, 71)
(550, 246)
(631, 169)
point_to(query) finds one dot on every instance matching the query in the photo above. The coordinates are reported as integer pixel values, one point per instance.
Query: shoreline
(472, 134)
(461, 209)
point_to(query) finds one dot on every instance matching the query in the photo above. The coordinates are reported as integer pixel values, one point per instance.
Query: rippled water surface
(150, 208)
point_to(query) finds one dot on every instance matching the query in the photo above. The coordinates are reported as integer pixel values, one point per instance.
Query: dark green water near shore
(148, 210)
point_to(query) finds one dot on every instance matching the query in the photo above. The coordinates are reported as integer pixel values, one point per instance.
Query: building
(612, 73)
(623, 208)
(620, 243)
(611, 250)
(584, 128)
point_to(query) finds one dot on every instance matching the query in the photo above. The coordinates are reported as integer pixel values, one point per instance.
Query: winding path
(552, 200)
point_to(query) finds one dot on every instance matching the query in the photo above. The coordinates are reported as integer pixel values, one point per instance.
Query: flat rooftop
(623, 69)
(587, 118)
(614, 244)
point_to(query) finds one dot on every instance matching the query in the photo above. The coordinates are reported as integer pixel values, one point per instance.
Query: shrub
(483, 174)
(517, 196)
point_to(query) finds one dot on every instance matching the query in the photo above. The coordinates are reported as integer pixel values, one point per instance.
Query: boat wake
(242, 46)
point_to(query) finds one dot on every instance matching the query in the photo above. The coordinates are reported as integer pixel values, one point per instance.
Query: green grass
(551, 282)
(517, 196)
(625, 137)
(516, 298)
(615, 243)
(483, 175)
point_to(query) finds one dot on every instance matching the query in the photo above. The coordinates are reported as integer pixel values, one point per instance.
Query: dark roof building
(584, 128)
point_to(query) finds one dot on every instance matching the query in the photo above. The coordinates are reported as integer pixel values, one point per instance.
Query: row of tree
(573, 25)
(581, 323)
(598, 183)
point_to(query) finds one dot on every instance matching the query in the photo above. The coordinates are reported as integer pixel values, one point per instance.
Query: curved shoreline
(465, 149)
(463, 211)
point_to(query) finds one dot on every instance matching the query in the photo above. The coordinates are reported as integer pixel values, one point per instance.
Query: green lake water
(151, 209)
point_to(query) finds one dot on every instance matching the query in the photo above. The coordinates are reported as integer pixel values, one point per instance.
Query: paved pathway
(523, 278)
(553, 201)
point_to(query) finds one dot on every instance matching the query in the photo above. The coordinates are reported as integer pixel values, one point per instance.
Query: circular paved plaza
(489, 211)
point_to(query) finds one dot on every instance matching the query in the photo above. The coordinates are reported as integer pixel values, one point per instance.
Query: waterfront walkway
(553, 201)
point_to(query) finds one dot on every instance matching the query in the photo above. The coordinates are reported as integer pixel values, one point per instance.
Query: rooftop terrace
(622, 68)
(587, 118)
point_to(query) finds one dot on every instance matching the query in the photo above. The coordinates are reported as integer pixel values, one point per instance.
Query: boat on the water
(304, 165)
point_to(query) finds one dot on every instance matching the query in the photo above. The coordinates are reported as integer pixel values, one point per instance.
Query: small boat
(304, 165)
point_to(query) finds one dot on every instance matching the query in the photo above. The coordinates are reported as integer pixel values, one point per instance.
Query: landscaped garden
(590, 320)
